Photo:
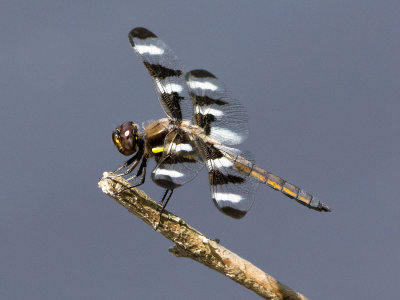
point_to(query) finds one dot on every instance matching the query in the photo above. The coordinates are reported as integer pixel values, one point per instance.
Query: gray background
(320, 80)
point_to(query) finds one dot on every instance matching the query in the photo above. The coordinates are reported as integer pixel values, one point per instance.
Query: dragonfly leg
(127, 163)
(163, 202)
(135, 161)
(141, 172)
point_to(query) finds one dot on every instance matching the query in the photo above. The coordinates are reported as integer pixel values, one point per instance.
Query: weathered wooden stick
(192, 244)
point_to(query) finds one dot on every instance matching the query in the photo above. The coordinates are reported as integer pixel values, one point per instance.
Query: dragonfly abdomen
(248, 168)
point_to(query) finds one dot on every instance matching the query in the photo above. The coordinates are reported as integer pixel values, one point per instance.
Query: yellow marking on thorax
(157, 149)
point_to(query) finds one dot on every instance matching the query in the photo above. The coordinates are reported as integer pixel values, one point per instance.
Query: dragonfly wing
(166, 70)
(222, 117)
(232, 192)
(180, 162)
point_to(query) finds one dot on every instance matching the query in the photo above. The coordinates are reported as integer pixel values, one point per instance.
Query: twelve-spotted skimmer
(203, 124)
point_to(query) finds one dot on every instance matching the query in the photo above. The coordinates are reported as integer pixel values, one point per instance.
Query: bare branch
(192, 244)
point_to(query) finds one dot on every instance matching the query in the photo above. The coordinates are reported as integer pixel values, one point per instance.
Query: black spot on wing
(140, 33)
(232, 212)
(161, 72)
(217, 177)
(205, 100)
(199, 74)
(165, 181)
(213, 153)
(172, 101)
(204, 121)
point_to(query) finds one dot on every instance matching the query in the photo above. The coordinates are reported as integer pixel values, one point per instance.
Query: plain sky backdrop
(320, 80)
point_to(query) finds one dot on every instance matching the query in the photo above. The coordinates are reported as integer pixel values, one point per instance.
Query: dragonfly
(203, 126)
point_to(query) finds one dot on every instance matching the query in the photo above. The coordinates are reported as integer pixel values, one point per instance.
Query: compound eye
(124, 138)
(116, 138)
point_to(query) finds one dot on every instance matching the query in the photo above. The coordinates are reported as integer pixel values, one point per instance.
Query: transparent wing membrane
(232, 192)
(166, 70)
(180, 161)
(222, 117)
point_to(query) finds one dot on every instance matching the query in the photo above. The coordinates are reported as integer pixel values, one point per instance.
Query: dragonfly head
(125, 138)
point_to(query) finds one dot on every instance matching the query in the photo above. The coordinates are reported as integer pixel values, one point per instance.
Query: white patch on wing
(160, 86)
(218, 162)
(208, 110)
(205, 85)
(173, 87)
(150, 49)
(225, 134)
(170, 173)
(168, 87)
(183, 147)
(234, 198)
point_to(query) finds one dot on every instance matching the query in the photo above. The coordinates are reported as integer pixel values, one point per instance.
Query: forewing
(222, 117)
(180, 161)
(232, 192)
(166, 71)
